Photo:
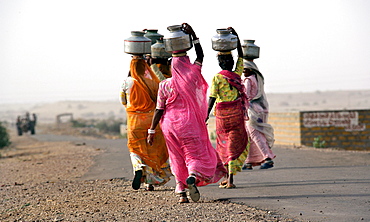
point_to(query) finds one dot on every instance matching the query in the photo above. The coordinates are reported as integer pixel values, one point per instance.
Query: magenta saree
(184, 101)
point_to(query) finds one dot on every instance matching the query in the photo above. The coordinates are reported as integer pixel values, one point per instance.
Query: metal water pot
(250, 50)
(159, 52)
(177, 40)
(224, 41)
(153, 35)
(137, 44)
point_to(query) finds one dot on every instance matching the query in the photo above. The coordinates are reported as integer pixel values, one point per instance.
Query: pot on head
(224, 41)
(177, 40)
(250, 50)
(137, 44)
(158, 51)
(153, 35)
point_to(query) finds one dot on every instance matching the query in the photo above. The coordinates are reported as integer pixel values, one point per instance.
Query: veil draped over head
(257, 103)
(145, 89)
(190, 84)
(260, 79)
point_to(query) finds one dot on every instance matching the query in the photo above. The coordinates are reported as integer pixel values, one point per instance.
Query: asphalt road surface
(309, 184)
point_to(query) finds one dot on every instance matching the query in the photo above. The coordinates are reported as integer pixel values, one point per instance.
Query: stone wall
(345, 129)
(286, 128)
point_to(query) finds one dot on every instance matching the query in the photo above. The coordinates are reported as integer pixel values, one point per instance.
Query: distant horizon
(117, 98)
(278, 102)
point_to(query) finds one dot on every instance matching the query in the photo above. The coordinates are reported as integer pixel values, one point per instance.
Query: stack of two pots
(224, 41)
(151, 42)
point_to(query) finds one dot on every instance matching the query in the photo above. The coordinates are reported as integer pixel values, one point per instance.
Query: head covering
(259, 100)
(251, 65)
(145, 89)
(188, 81)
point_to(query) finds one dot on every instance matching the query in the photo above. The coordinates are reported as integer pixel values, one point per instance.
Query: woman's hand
(189, 30)
(232, 30)
(158, 113)
(150, 139)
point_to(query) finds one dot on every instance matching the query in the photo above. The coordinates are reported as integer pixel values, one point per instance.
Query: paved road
(308, 184)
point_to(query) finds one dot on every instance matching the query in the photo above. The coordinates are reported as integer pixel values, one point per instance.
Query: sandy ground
(40, 181)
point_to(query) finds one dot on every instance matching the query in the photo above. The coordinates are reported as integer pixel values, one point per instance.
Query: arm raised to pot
(198, 48)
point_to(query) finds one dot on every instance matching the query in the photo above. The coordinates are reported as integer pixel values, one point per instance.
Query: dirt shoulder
(40, 182)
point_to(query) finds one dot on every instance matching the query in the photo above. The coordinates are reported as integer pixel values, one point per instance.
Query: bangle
(150, 131)
(196, 41)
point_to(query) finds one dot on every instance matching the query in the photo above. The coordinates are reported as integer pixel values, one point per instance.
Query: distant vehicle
(25, 124)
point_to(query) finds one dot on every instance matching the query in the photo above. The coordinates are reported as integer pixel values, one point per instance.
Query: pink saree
(260, 132)
(183, 125)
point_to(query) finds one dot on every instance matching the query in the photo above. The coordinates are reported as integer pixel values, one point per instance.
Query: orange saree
(139, 117)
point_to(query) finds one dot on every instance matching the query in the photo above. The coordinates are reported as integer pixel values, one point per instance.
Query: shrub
(4, 136)
(106, 126)
(78, 123)
(109, 126)
(318, 142)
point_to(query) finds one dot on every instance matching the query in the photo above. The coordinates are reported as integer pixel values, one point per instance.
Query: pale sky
(56, 50)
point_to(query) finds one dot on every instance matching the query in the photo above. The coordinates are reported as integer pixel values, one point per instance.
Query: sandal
(137, 179)
(222, 186)
(149, 187)
(268, 164)
(183, 198)
(230, 186)
(193, 190)
(247, 166)
(223, 183)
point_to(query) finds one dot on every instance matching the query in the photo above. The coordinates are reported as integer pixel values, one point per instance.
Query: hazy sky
(73, 49)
